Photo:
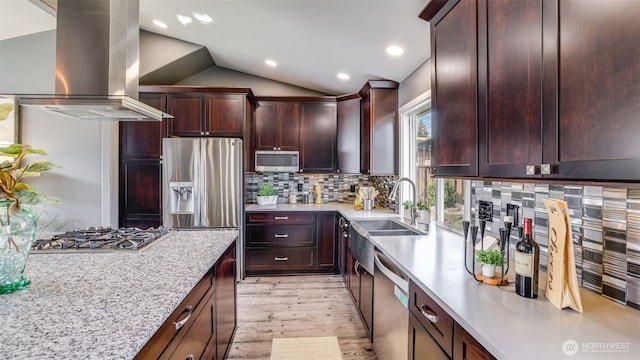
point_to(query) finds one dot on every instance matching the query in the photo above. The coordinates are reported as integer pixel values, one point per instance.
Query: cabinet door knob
(546, 169)
(531, 170)
(201, 132)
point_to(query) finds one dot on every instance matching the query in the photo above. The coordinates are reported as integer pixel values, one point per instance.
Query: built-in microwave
(277, 161)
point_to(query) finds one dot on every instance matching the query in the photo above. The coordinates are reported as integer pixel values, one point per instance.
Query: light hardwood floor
(297, 306)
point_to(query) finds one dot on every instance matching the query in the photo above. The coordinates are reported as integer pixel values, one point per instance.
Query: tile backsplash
(605, 225)
(335, 187)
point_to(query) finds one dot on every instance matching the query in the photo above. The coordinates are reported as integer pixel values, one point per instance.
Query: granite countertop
(510, 326)
(104, 305)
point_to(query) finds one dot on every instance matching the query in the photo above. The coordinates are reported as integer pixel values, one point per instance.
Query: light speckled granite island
(104, 305)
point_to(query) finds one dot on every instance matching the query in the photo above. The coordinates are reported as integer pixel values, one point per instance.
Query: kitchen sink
(381, 225)
(394, 232)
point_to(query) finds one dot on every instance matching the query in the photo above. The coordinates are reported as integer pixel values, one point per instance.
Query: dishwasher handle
(397, 280)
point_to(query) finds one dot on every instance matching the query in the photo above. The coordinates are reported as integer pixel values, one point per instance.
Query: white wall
(85, 149)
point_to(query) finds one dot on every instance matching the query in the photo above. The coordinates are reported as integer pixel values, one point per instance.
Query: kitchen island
(104, 305)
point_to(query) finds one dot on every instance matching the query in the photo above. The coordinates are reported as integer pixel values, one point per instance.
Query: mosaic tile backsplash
(335, 187)
(605, 225)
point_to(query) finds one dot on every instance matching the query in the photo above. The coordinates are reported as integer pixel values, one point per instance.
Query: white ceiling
(311, 40)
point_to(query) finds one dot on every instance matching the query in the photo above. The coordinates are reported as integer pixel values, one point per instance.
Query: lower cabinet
(360, 286)
(290, 242)
(203, 325)
(433, 334)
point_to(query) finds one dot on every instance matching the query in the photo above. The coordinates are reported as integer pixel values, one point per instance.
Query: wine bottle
(527, 263)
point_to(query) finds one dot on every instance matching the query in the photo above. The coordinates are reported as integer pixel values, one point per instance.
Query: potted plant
(489, 260)
(267, 195)
(407, 204)
(17, 224)
(424, 213)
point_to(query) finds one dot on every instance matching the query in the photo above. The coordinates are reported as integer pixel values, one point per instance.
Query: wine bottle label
(524, 264)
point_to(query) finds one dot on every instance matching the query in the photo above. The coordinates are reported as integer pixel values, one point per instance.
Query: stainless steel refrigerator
(202, 184)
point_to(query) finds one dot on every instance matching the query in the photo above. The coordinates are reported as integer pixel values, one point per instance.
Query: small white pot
(267, 200)
(488, 270)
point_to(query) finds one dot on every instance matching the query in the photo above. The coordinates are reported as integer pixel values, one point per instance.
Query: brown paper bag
(562, 282)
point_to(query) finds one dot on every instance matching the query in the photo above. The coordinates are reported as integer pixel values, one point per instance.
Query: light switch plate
(512, 210)
(485, 210)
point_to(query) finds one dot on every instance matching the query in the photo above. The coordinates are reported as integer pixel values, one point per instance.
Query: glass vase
(17, 233)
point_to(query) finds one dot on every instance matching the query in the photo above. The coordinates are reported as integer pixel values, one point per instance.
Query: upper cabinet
(379, 128)
(277, 125)
(349, 134)
(557, 89)
(304, 124)
(454, 88)
(208, 112)
(318, 129)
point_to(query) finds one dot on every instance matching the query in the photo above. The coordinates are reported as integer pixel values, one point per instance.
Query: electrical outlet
(512, 210)
(485, 210)
(352, 188)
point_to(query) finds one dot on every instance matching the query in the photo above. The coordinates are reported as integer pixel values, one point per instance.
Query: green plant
(12, 189)
(407, 204)
(450, 193)
(491, 257)
(422, 206)
(267, 189)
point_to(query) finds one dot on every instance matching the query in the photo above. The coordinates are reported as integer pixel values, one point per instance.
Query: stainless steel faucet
(414, 209)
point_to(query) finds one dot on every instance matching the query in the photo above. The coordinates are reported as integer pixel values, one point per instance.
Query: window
(446, 196)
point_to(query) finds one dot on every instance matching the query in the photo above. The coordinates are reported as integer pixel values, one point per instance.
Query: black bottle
(527, 263)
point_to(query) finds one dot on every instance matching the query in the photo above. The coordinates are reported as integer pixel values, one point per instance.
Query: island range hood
(97, 63)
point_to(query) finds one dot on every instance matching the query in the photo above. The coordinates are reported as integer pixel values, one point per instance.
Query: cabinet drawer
(432, 317)
(280, 259)
(281, 235)
(184, 315)
(200, 335)
(278, 217)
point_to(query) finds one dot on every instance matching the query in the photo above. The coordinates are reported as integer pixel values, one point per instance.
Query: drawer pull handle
(281, 218)
(181, 323)
(283, 258)
(281, 235)
(428, 313)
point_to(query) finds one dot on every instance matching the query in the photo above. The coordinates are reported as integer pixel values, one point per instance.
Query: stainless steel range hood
(97, 63)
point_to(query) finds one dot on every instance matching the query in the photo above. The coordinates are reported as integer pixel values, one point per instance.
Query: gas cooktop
(96, 239)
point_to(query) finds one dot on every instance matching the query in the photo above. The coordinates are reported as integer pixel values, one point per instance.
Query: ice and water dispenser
(182, 199)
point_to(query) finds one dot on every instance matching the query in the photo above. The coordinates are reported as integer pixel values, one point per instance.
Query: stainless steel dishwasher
(390, 310)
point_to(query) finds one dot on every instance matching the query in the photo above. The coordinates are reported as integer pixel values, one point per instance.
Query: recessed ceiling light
(203, 18)
(184, 20)
(160, 24)
(271, 63)
(343, 76)
(395, 50)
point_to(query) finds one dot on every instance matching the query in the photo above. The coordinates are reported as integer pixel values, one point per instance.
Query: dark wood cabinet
(206, 114)
(454, 88)
(318, 131)
(280, 242)
(510, 87)
(360, 287)
(433, 334)
(556, 100)
(225, 302)
(465, 347)
(591, 89)
(277, 125)
(327, 244)
(343, 245)
(203, 325)
(140, 178)
(379, 128)
(421, 344)
(348, 147)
